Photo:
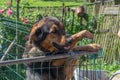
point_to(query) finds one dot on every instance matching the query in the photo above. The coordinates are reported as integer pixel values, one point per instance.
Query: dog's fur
(44, 36)
(48, 37)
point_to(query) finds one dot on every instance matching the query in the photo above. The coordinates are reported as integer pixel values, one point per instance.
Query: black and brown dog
(45, 36)
(48, 37)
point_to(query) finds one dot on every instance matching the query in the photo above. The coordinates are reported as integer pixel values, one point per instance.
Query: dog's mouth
(65, 47)
(61, 47)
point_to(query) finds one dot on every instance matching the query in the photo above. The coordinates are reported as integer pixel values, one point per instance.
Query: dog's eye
(38, 31)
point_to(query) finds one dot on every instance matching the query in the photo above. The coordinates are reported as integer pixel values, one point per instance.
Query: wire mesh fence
(86, 69)
(18, 71)
(89, 67)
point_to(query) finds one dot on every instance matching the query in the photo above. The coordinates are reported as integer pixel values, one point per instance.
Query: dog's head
(48, 32)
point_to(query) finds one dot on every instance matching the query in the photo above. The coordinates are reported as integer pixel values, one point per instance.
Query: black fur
(41, 33)
(43, 68)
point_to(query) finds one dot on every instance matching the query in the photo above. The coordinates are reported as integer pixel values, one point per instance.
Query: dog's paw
(89, 47)
(94, 47)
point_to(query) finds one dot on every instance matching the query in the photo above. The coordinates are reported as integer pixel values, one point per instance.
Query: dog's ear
(34, 35)
(41, 34)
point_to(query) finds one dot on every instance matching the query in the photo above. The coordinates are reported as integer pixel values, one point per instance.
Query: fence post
(18, 1)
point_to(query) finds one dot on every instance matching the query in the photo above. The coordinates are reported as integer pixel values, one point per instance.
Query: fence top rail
(45, 58)
(29, 7)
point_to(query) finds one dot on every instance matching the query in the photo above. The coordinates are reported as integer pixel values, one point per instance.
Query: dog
(48, 37)
(45, 37)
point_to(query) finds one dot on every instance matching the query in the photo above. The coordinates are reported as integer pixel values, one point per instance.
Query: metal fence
(13, 35)
(12, 49)
(87, 68)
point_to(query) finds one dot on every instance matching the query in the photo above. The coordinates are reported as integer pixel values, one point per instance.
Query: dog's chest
(45, 69)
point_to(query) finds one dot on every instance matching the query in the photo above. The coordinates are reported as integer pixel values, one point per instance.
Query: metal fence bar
(44, 58)
(7, 40)
(8, 49)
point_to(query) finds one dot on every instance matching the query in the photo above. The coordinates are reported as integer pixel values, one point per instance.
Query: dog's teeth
(67, 47)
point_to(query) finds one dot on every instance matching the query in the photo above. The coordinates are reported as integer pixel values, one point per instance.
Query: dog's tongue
(60, 47)
(67, 47)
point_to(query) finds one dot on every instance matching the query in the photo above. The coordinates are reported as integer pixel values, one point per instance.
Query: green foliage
(42, 3)
(111, 68)
(72, 22)
(75, 24)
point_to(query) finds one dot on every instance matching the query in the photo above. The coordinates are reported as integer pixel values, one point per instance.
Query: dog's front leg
(75, 38)
(90, 47)
(70, 65)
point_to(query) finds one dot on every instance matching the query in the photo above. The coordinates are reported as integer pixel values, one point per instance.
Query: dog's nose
(69, 41)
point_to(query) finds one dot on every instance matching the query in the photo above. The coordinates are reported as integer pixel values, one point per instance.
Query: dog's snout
(69, 41)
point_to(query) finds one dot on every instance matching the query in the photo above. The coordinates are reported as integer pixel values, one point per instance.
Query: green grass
(42, 3)
(51, 3)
